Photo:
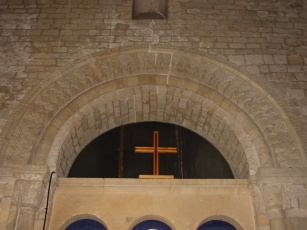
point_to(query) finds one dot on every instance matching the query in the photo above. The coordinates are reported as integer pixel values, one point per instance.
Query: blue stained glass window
(152, 224)
(216, 225)
(86, 224)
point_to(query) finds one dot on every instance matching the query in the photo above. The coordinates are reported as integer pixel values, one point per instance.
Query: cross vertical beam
(156, 154)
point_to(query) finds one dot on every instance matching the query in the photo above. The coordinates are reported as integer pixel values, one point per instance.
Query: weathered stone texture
(54, 51)
(39, 37)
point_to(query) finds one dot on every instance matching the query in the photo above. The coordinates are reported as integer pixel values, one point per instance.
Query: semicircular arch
(227, 219)
(81, 217)
(218, 126)
(152, 217)
(180, 87)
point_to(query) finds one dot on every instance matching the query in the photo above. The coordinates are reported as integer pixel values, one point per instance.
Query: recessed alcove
(149, 9)
(99, 182)
(112, 155)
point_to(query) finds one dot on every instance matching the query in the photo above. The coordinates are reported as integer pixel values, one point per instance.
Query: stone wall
(49, 49)
(267, 38)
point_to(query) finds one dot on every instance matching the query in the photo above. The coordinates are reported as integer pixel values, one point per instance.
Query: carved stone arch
(191, 89)
(92, 119)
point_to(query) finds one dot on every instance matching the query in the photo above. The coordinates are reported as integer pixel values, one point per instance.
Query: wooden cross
(156, 150)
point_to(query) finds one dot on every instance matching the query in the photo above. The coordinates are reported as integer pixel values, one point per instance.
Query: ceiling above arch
(191, 89)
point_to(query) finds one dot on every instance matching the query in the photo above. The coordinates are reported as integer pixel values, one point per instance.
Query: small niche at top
(149, 9)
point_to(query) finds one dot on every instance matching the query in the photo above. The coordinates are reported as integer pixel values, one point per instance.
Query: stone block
(297, 223)
(254, 59)
(295, 60)
(6, 186)
(280, 59)
(302, 202)
(237, 59)
(296, 93)
(237, 45)
(5, 206)
(278, 68)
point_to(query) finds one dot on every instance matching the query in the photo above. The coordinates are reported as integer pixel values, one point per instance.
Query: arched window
(86, 224)
(152, 224)
(216, 225)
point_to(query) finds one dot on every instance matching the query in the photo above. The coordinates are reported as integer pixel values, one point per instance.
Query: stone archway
(191, 89)
(234, 141)
(197, 91)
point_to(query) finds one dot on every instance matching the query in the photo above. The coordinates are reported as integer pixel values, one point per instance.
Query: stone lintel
(24, 172)
(295, 212)
(30, 172)
(282, 175)
(165, 186)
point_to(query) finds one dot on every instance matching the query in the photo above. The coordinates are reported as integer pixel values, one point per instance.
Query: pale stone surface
(122, 203)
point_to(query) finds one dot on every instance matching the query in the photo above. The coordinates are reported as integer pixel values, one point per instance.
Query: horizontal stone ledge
(297, 213)
(151, 186)
(282, 175)
(25, 172)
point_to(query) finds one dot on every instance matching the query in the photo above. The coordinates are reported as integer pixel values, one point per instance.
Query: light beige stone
(184, 204)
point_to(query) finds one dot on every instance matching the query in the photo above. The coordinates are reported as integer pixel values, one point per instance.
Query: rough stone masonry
(43, 41)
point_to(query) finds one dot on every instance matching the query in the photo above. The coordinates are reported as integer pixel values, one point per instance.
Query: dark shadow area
(86, 224)
(152, 224)
(216, 225)
(195, 158)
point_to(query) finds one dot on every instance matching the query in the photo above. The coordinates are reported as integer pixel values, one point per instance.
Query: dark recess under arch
(197, 158)
(86, 224)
